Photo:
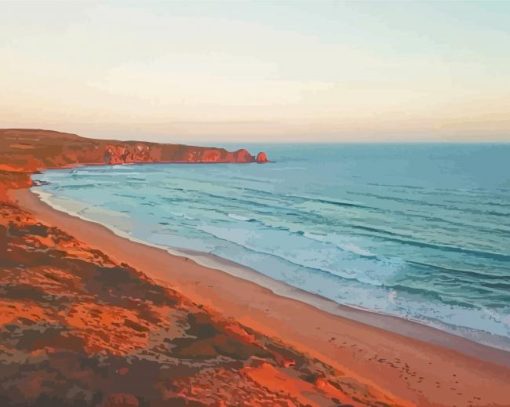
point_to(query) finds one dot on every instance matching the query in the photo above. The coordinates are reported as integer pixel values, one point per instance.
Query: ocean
(418, 231)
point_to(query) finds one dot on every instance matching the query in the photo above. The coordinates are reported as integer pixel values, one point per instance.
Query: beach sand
(78, 327)
(412, 364)
(90, 317)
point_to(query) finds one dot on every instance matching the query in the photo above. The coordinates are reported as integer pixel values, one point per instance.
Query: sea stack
(261, 158)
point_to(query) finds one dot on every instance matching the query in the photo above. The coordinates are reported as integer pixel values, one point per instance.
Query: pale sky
(258, 70)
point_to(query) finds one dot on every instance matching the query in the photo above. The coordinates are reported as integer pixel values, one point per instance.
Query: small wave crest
(345, 246)
(240, 217)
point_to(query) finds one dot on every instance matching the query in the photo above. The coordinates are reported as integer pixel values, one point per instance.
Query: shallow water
(421, 231)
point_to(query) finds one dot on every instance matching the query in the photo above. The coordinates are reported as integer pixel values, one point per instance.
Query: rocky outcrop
(122, 153)
(149, 152)
(190, 154)
(261, 158)
(37, 149)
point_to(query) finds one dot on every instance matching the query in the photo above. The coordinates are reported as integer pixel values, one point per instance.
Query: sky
(258, 71)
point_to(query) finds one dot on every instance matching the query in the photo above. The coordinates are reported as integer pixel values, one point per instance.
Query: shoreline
(393, 323)
(365, 351)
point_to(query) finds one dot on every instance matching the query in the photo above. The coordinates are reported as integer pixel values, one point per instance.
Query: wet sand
(413, 363)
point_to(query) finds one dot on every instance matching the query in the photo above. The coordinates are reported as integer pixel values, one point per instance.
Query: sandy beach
(417, 366)
(255, 203)
(84, 308)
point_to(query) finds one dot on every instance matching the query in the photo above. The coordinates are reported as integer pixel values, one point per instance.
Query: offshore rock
(261, 158)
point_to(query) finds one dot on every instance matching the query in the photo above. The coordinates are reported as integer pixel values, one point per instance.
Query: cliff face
(148, 152)
(31, 150)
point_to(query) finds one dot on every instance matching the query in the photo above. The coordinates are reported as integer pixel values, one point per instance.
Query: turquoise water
(419, 231)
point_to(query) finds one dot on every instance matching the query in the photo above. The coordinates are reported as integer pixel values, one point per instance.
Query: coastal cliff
(25, 151)
(32, 150)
